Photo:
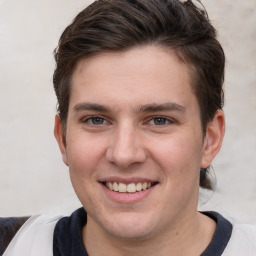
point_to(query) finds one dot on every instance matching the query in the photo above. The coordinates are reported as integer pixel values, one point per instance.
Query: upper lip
(126, 180)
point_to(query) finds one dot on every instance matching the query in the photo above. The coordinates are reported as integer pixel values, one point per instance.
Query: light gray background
(33, 178)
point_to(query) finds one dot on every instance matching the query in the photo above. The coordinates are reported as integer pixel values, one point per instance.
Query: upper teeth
(130, 188)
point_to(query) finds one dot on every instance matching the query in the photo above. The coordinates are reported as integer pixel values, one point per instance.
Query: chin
(130, 226)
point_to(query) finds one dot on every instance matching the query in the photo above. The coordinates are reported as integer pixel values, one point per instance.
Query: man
(139, 89)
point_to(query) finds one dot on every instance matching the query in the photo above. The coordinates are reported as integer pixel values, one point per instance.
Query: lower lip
(127, 197)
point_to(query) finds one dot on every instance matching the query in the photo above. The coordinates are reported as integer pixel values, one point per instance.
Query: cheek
(84, 154)
(178, 156)
(83, 161)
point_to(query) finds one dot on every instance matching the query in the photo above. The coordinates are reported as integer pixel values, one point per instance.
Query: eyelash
(165, 119)
(90, 119)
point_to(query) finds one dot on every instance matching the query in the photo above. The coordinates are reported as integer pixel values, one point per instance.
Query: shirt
(68, 239)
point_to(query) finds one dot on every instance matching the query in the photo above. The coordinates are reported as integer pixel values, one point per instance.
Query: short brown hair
(118, 25)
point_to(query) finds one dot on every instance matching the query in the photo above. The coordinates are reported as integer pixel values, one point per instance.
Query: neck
(187, 237)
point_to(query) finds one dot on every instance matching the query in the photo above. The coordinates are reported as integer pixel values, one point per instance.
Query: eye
(95, 120)
(159, 120)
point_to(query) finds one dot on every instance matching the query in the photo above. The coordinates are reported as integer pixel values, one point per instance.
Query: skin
(133, 116)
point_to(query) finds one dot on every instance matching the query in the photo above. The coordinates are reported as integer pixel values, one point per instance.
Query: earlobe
(58, 133)
(213, 139)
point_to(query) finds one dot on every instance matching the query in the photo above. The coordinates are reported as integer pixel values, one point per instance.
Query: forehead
(140, 75)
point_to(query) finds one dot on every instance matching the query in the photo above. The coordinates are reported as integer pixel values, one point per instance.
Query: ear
(213, 139)
(58, 133)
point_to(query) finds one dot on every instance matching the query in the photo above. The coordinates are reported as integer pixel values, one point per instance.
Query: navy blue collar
(221, 236)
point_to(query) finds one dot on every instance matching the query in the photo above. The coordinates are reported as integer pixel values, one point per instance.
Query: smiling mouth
(129, 188)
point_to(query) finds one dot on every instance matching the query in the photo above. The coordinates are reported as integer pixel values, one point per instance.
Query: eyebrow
(161, 107)
(90, 106)
(154, 107)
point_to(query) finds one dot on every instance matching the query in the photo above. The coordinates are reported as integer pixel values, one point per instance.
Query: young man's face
(134, 122)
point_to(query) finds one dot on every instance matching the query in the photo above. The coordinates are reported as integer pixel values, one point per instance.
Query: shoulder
(36, 236)
(8, 229)
(243, 240)
(231, 238)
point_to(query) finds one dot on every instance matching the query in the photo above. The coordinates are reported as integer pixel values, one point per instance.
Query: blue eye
(160, 121)
(94, 120)
(97, 120)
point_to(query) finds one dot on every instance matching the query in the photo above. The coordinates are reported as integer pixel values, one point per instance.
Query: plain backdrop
(33, 178)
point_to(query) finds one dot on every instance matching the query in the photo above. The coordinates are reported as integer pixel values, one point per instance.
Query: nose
(126, 147)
